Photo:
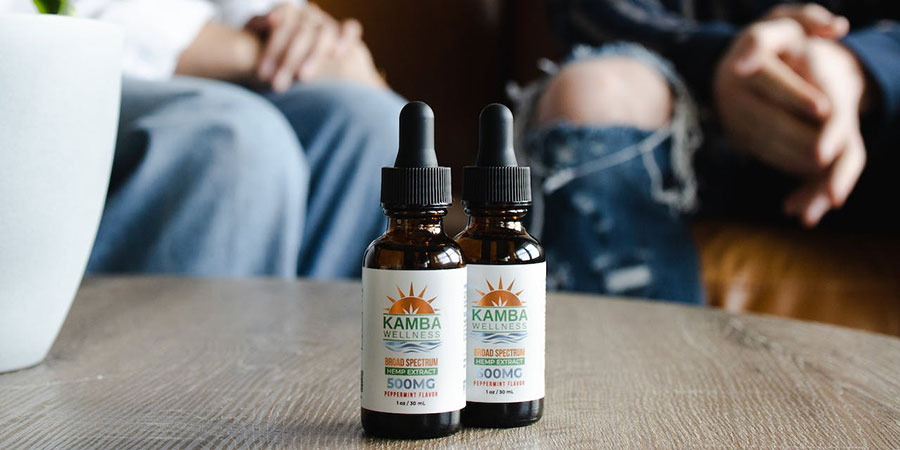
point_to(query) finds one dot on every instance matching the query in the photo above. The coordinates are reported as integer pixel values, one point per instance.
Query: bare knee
(608, 91)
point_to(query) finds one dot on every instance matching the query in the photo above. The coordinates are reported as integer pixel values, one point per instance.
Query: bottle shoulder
(500, 247)
(430, 252)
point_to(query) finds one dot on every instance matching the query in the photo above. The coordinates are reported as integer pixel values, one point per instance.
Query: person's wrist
(856, 87)
(861, 94)
(246, 49)
(868, 95)
(863, 87)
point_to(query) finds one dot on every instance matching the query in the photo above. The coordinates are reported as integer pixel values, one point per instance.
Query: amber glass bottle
(506, 284)
(413, 343)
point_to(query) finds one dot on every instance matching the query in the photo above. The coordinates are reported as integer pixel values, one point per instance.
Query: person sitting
(750, 110)
(251, 139)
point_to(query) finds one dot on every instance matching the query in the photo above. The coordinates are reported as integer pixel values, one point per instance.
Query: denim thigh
(612, 200)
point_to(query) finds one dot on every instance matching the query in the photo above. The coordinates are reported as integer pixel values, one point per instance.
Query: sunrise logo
(500, 315)
(499, 296)
(411, 324)
(410, 304)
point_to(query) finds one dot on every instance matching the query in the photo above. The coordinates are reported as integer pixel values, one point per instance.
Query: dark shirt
(694, 34)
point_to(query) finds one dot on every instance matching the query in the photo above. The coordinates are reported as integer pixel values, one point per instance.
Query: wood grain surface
(177, 363)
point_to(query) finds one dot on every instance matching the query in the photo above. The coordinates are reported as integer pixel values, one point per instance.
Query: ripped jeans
(611, 203)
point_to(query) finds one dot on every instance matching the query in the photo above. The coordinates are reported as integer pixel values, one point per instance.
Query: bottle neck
(415, 221)
(496, 218)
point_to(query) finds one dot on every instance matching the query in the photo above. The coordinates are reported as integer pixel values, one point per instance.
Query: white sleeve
(17, 6)
(237, 12)
(156, 31)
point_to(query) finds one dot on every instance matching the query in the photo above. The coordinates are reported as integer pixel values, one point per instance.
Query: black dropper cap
(416, 181)
(496, 179)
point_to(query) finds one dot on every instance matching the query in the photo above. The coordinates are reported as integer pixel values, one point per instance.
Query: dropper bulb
(495, 137)
(416, 137)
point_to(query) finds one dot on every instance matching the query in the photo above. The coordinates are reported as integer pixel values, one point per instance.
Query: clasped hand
(789, 94)
(304, 43)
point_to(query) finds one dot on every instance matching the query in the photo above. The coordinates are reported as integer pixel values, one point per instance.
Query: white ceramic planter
(60, 83)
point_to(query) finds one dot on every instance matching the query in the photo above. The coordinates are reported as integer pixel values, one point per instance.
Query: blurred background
(459, 55)
(456, 56)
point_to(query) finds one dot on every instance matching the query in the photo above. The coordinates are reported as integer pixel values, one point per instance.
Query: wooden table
(162, 362)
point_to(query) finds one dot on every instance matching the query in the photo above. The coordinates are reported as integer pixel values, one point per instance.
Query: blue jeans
(211, 179)
(611, 199)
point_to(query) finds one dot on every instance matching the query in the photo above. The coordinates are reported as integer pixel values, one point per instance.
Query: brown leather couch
(458, 55)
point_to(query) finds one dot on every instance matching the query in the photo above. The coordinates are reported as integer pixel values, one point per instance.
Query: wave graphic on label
(411, 347)
(410, 321)
(501, 338)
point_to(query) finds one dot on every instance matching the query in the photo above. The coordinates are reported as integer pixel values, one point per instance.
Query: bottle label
(506, 332)
(414, 341)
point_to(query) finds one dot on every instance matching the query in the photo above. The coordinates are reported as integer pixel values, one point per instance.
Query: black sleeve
(693, 47)
(878, 50)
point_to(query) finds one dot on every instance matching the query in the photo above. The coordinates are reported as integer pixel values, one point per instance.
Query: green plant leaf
(52, 6)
